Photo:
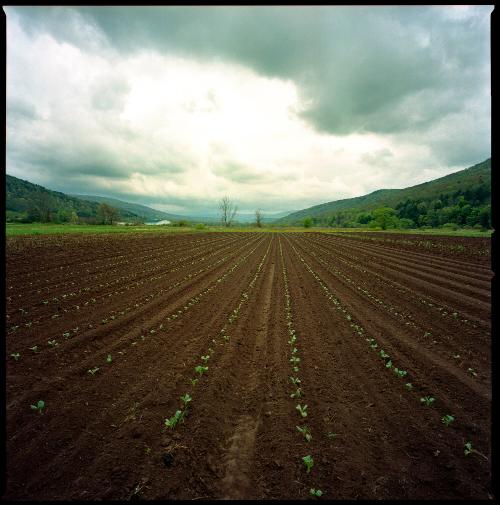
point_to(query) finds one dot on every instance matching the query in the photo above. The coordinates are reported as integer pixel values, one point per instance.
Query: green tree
(384, 217)
(307, 222)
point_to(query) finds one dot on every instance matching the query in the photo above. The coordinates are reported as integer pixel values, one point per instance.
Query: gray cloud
(409, 74)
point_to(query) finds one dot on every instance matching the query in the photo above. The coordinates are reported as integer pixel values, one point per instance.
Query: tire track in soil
(157, 387)
(386, 441)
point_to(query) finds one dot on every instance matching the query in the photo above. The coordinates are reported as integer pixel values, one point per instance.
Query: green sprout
(468, 448)
(383, 354)
(315, 492)
(472, 371)
(39, 406)
(294, 360)
(297, 394)
(447, 419)
(186, 399)
(409, 386)
(109, 359)
(428, 400)
(201, 369)
(295, 380)
(193, 381)
(302, 410)
(226, 338)
(15, 355)
(309, 462)
(400, 373)
(373, 345)
(305, 431)
(34, 348)
(52, 343)
(171, 423)
(389, 364)
(205, 358)
(93, 371)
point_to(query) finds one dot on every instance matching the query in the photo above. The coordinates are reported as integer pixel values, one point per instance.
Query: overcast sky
(279, 108)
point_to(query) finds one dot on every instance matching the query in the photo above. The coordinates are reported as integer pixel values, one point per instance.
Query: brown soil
(162, 302)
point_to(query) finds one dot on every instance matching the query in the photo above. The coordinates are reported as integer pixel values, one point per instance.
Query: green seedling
(295, 369)
(295, 350)
(315, 492)
(297, 394)
(52, 343)
(400, 373)
(226, 338)
(456, 356)
(302, 410)
(93, 371)
(201, 369)
(109, 359)
(16, 355)
(172, 422)
(472, 371)
(193, 381)
(294, 360)
(67, 334)
(374, 345)
(295, 380)
(409, 386)
(383, 354)
(186, 399)
(305, 431)
(34, 348)
(447, 419)
(468, 448)
(427, 334)
(331, 434)
(428, 400)
(205, 358)
(39, 406)
(389, 364)
(309, 462)
(292, 340)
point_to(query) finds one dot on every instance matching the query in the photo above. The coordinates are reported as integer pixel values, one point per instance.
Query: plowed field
(366, 342)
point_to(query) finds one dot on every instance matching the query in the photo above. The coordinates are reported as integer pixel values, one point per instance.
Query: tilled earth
(109, 330)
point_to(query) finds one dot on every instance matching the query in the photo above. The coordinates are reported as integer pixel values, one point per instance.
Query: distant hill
(29, 202)
(473, 184)
(142, 211)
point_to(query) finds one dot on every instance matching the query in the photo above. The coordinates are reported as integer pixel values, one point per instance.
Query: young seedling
(295, 380)
(305, 431)
(186, 399)
(93, 371)
(295, 369)
(472, 371)
(383, 354)
(309, 462)
(171, 423)
(428, 400)
(52, 343)
(294, 360)
(109, 359)
(205, 358)
(468, 448)
(302, 410)
(15, 355)
(400, 373)
(389, 364)
(315, 492)
(34, 348)
(201, 369)
(409, 386)
(193, 381)
(297, 394)
(226, 338)
(447, 419)
(373, 345)
(39, 406)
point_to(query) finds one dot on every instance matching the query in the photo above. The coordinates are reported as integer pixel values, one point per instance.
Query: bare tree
(228, 211)
(258, 218)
